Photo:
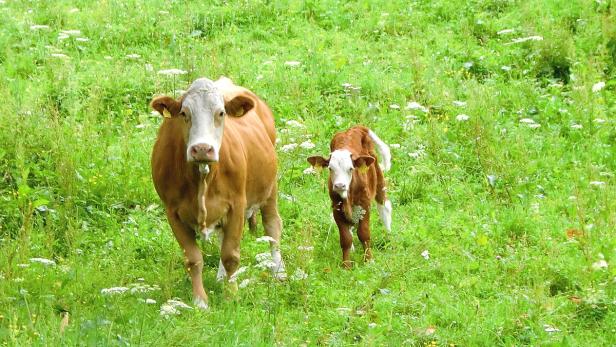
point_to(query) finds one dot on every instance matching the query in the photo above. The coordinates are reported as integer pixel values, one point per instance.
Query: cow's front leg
(273, 228)
(346, 238)
(230, 246)
(193, 259)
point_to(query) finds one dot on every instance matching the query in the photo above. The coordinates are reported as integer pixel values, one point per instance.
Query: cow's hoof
(347, 265)
(201, 304)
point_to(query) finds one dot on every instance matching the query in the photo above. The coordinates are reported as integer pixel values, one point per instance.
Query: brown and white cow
(355, 179)
(213, 166)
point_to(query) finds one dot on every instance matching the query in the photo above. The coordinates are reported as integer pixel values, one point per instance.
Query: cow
(213, 166)
(355, 179)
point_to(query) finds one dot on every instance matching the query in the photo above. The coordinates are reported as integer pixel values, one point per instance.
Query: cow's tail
(383, 150)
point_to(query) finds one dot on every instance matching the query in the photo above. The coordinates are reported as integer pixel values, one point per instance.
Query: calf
(213, 165)
(355, 179)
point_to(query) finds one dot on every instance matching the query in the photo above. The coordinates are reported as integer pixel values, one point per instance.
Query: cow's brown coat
(244, 176)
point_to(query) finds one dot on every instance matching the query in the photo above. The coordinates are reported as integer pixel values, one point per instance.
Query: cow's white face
(341, 171)
(203, 107)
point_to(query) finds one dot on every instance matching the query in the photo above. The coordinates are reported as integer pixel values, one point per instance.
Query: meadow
(501, 119)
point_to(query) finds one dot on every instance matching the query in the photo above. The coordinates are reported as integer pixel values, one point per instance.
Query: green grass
(76, 135)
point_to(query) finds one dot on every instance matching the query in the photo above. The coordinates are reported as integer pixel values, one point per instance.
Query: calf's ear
(238, 106)
(318, 161)
(166, 106)
(363, 161)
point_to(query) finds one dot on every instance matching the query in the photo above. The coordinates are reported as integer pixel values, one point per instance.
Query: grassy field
(501, 117)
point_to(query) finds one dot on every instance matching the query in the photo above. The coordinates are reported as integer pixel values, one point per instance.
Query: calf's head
(203, 109)
(341, 164)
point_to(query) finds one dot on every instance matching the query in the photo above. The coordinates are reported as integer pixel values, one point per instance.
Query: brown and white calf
(213, 165)
(355, 179)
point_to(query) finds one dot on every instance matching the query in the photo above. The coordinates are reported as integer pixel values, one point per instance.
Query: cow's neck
(346, 205)
(202, 179)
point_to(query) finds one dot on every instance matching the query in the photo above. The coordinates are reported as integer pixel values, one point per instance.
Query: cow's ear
(363, 161)
(166, 106)
(318, 161)
(239, 105)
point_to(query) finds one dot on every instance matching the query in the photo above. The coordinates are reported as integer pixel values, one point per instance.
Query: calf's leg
(193, 258)
(363, 232)
(346, 238)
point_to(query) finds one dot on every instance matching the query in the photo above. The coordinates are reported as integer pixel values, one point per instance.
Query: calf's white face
(341, 165)
(341, 171)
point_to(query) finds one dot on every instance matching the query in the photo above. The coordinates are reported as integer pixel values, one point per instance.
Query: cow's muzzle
(203, 153)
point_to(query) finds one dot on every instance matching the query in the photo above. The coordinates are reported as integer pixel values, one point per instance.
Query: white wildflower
(244, 283)
(133, 56)
(305, 248)
(39, 27)
(289, 147)
(506, 68)
(172, 306)
(550, 329)
(599, 265)
(598, 86)
(597, 183)
(264, 261)
(295, 124)
(43, 261)
(150, 301)
(292, 63)
(412, 105)
(310, 171)
(527, 121)
(82, 39)
(299, 275)
(172, 72)
(599, 120)
(425, 254)
(113, 290)
(73, 10)
(71, 32)
(459, 103)
(505, 31)
(307, 144)
(265, 238)
(529, 38)
(163, 12)
(491, 180)
(23, 265)
(371, 325)
(59, 55)
(534, 125)
(343, 310)
(462, 118)
(62, 36)
(394, 106)
(576, 126)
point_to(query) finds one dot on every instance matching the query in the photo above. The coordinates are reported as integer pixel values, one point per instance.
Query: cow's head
(203, 108)
(341, 164)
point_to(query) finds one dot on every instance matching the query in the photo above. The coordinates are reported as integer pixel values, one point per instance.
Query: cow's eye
(221, 114)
